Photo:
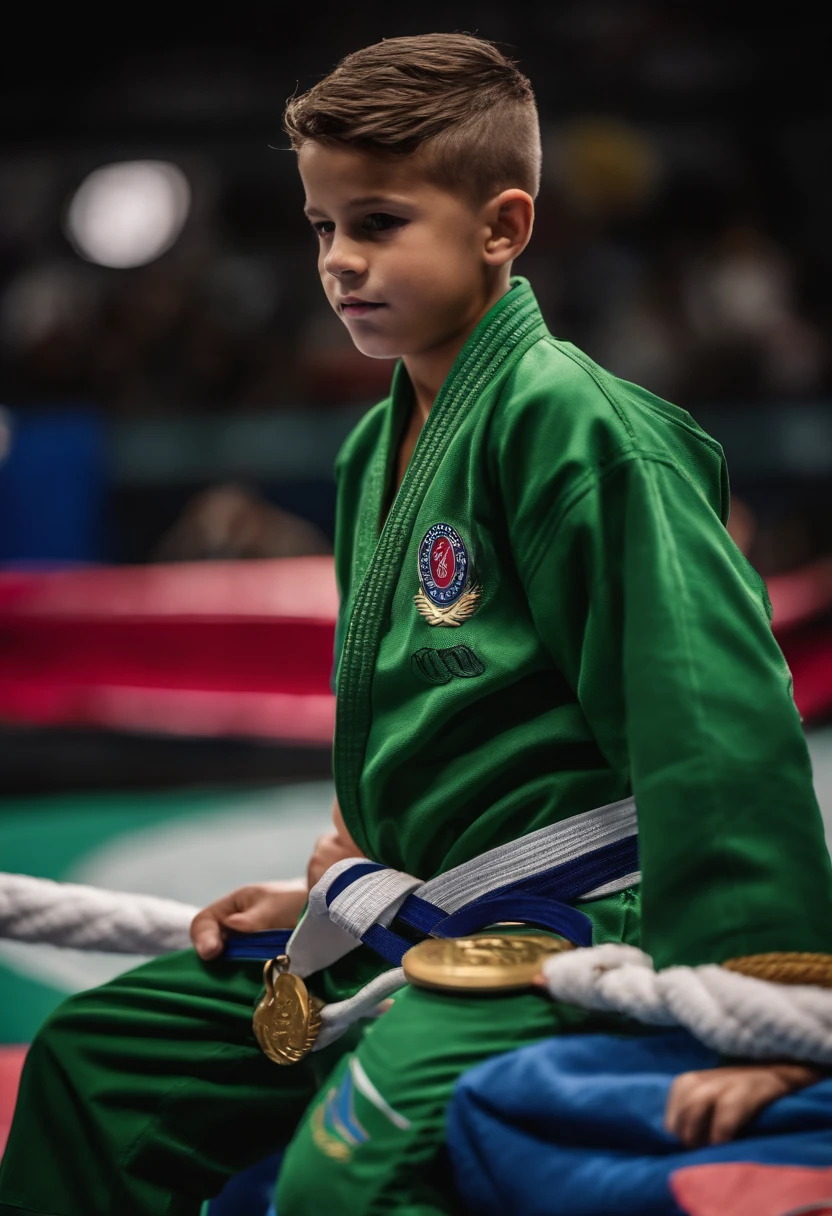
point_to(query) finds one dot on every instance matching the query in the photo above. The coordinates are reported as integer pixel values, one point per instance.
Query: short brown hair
(454, 95)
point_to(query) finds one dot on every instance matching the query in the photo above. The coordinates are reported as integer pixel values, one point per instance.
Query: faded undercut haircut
(454, 98)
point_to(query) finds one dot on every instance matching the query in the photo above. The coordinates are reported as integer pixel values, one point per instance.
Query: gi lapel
(513, 324)
(379, 475)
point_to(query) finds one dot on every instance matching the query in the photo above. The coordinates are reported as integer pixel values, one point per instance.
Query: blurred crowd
(655, 251)
(681, 240)
(681, 234)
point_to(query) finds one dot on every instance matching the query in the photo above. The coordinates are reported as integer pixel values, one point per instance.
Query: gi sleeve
(662, 629)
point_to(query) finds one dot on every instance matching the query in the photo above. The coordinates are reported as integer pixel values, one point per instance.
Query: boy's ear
(509, 220)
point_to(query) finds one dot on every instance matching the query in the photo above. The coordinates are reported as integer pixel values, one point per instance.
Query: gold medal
(487, 963)
(287, 1020)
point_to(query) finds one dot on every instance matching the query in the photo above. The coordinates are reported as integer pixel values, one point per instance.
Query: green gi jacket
(613, 640)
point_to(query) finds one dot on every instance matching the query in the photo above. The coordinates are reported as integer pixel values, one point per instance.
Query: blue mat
(575, 1125)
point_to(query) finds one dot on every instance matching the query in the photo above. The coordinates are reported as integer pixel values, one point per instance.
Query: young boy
(541, 614)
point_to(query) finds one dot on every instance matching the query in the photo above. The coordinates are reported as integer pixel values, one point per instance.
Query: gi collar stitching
(513, 323)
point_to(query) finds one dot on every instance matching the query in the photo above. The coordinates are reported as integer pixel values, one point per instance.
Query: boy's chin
(378, 350)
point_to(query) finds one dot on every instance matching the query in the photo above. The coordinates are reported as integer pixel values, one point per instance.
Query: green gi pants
(142, 1097)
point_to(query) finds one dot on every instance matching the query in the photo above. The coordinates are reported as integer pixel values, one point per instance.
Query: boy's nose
(341, 260)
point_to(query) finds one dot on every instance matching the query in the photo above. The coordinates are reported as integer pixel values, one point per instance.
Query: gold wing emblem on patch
(455, 614)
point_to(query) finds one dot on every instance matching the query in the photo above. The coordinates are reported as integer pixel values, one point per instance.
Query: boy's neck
(429, 371)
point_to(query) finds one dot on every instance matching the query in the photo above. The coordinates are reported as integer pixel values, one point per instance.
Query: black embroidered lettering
(440, 666)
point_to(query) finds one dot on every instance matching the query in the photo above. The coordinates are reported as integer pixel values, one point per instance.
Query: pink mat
(744, 1189)
(245, 648)
(11, 1065)
(213, 648)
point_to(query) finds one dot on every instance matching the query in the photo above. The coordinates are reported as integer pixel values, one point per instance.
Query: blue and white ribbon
(537, 879)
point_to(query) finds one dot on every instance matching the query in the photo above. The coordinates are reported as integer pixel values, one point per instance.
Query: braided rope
(785, 968)
(733, 1013)
(89, 918)
(764, 1006)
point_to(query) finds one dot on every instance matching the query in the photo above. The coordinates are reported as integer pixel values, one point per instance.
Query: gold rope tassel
(785, 968)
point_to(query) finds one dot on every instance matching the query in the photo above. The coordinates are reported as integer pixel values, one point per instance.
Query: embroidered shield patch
(448, 595)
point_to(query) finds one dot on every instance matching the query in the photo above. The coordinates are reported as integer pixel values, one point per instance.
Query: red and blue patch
(444, 565)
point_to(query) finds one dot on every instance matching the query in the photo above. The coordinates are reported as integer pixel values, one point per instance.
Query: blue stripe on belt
(265, 945)
(542, 900)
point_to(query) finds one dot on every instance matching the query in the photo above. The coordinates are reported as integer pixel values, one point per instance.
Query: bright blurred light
(129, 213)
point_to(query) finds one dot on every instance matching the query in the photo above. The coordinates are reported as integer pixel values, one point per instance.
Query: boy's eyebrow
(369, 200)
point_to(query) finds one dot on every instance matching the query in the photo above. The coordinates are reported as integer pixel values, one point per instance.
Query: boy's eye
(380, 221)
(377, 221)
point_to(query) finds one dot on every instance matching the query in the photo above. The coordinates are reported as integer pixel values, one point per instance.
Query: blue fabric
(53, 487)
(420, 913)
(538, 900)
(549, 914)
(266, 944)
(349, 876)
(390, 945)
(250, 1193)
(531, 910)
(576, 1125)
(571, 879)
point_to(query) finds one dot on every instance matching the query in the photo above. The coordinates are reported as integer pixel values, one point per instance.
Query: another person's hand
(265, 905)
(710, 1107)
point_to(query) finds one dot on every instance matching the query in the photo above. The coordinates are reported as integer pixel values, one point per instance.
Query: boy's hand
(329, 848)
(711, 1107)
(265, 905)
(270, 905)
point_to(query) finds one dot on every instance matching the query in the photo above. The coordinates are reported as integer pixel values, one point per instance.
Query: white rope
(731, 1013)
(89, 918)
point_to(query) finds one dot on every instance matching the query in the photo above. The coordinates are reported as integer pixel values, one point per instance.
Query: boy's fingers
(206, 927)
(206, 935)
(247, 910)
(276, 908)
(246, 922)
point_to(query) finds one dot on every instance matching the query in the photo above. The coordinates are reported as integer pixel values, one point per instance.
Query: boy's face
(409, 248)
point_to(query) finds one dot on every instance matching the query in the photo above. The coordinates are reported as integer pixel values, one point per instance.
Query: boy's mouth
(352, 306)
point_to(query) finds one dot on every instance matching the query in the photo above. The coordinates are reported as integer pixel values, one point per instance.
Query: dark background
(173, 410)
(682, 239)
